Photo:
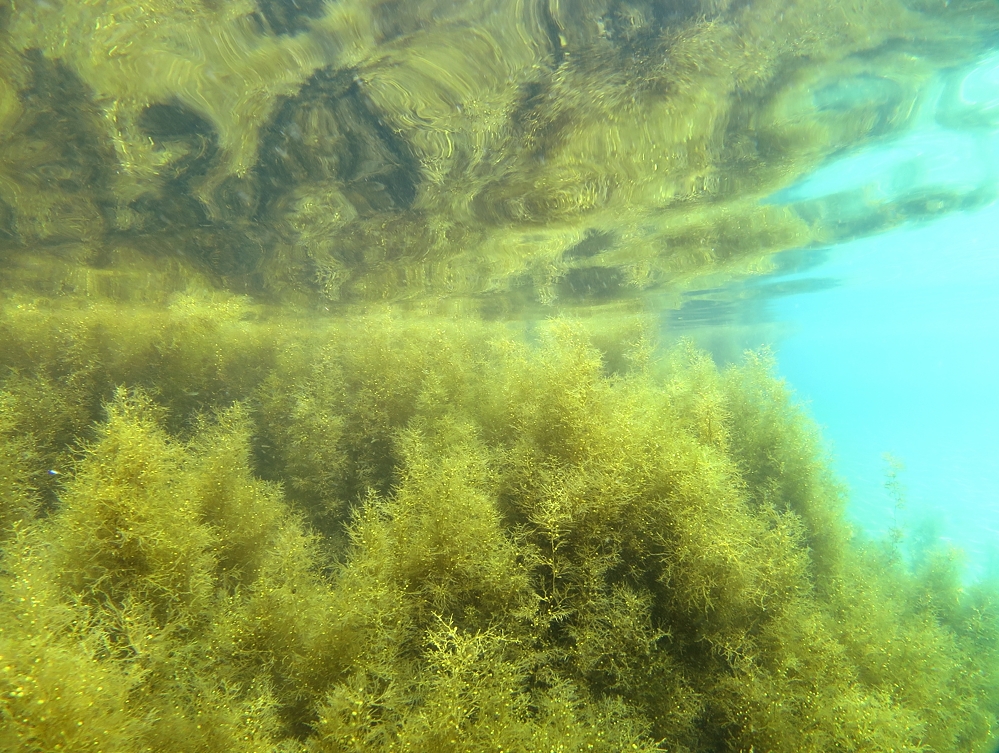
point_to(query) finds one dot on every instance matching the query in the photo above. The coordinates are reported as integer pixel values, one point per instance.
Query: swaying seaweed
(372, 533)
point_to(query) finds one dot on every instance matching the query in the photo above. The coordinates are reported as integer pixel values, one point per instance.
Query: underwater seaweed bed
(225, 527)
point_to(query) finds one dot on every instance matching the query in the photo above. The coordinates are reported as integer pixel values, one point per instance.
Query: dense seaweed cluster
(230, 529)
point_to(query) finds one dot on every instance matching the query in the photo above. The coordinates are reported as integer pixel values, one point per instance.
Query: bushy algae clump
(374, 534)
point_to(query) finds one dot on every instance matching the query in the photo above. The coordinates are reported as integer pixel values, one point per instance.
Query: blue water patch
(948, 160)
(900, 358)
(892, 333)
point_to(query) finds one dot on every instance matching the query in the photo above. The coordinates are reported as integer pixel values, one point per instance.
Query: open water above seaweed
(892, 337)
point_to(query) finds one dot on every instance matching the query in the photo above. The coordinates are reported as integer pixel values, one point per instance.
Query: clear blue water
(900, 357)
(893, 339)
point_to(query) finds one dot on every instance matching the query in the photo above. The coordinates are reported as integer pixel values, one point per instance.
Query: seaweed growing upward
(465, 542)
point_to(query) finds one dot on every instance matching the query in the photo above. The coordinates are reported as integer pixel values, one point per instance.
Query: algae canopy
(334, 414)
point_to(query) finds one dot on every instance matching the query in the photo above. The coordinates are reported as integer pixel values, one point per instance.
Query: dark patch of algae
(229, 525)
(496, 152)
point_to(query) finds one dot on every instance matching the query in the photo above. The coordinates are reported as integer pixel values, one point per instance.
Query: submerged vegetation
(225, 528)
(232, 519)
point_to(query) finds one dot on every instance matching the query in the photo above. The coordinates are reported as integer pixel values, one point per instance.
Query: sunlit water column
(899, 353)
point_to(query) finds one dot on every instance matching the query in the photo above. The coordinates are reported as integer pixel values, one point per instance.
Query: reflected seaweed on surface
(370, 150)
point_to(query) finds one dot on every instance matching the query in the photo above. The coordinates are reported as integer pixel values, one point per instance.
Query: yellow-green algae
(233, 523)
(369, 149)
(368, 533)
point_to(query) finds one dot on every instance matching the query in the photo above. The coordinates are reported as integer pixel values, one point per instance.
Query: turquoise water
(892, 338)
(899, 357)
